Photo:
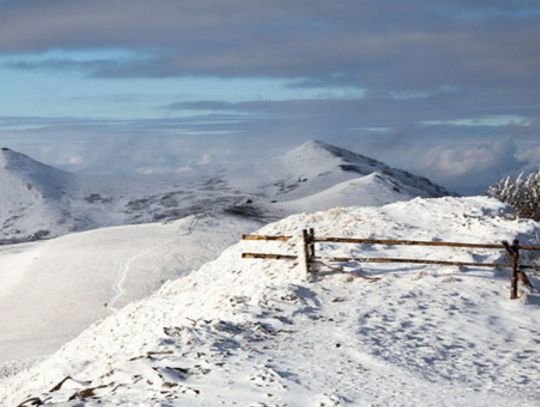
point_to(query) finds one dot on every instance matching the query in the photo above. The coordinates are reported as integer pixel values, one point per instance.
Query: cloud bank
(449, 88)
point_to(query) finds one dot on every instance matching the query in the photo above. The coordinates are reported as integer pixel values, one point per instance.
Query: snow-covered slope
(50, 291)
(253, 332)
(33, 196)
(370, 190)
(39, 201)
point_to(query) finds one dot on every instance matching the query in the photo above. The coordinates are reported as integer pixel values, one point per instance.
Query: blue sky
(57, 91)
(446, 89)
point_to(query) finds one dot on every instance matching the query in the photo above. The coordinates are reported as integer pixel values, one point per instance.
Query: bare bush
(522, 192)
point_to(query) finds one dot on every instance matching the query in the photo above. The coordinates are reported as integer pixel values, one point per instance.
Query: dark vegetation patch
(352, 168)
(245, 211)
(97, 198)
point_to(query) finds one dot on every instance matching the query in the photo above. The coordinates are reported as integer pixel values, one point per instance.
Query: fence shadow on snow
(307, 254)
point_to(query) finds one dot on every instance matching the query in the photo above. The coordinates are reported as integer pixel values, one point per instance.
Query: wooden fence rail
(269, 256)
(393, 242)
(415, 261)
(309, 240)
(264, 237)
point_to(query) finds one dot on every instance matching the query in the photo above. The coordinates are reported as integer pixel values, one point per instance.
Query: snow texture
(51, 291)
(260, 333)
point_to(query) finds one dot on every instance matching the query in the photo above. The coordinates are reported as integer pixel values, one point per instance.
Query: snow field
(259, 333)
(52, 290)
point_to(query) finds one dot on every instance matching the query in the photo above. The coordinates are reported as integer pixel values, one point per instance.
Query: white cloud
(75, 159)
(531, 154)
(421, 93)
(378, 129)
(471, 165)
(485, 121)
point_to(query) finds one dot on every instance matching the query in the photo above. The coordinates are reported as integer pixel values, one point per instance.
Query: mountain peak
(23, 176)
(321, 156)
(318, 161)
(315, 144)
(8, 157)
(5, 153)
(8, 154)
(318, 149)
(21, 164)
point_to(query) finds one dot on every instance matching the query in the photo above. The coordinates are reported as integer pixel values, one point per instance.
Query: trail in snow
(117, 289)
(84, 277)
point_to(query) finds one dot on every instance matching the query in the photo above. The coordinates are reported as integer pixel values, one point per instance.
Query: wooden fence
(309, 240)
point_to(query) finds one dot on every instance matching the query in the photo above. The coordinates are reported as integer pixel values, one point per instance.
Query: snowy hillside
(370, 190)
(253, 332)
(50, 291)
(42, 202)
(33, 197)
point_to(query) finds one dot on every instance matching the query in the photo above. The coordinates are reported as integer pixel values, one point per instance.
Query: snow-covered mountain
(39, 201)
(253, 332)
(33, 198)
(314, 167)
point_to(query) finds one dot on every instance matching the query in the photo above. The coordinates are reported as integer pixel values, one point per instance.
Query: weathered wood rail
(268, 256)
(416, 243)
(264, 237)
(309, 240)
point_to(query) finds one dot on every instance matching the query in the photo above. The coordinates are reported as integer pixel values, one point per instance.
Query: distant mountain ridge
(316, 158)
(40, 201)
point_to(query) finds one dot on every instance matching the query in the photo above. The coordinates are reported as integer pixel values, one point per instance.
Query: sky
(447, 89)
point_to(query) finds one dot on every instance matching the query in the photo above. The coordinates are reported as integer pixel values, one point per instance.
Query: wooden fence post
(309, 250)
(513, 253)
(312, 243)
